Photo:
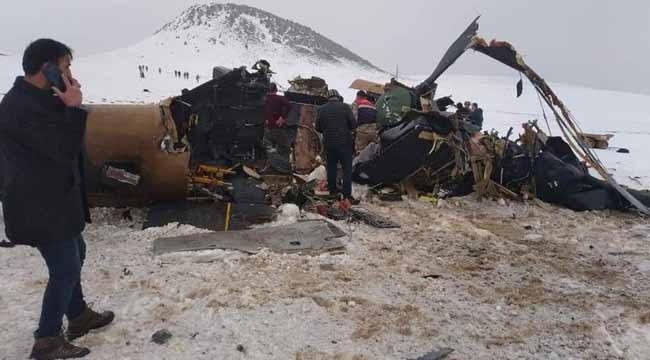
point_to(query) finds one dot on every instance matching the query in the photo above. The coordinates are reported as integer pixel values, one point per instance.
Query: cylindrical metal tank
(130, 137)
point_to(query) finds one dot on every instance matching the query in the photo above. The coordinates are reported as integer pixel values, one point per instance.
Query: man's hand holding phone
(72, 97)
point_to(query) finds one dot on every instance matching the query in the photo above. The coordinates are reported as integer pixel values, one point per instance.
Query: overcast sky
(599, 43)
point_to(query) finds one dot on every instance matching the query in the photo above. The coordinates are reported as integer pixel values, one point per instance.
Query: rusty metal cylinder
(130, 137)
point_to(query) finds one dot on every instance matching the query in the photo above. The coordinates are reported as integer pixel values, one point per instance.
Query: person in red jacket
(366, 115)
(276, 141)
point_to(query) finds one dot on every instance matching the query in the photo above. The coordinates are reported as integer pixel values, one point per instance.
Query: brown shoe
(88, 320)
(49, 348)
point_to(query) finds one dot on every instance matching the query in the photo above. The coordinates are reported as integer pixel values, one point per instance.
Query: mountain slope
(254, 27)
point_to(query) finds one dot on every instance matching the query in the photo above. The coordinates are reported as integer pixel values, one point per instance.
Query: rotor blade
(456, 49)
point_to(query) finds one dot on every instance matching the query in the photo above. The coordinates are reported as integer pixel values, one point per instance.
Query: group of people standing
(470, 112)
(144, 69)
(186, 75)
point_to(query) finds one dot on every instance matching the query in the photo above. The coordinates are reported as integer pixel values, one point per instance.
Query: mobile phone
(53, 75)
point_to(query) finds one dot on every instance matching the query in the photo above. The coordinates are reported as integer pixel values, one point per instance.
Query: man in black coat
(42, 128)
(337, 123)
(476, 116)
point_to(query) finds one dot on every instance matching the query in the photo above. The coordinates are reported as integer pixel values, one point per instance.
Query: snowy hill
(226, 24)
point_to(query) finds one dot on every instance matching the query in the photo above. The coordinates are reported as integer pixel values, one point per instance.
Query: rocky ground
(488, 279)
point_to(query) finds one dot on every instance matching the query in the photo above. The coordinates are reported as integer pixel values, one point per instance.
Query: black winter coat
(44, 198)
(476, 117)
(336, 122)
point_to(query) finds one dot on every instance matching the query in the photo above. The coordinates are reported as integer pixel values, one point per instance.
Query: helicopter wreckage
(204, 146)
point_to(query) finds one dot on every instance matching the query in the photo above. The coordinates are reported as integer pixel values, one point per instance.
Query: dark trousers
(63, 294)
(340, 155)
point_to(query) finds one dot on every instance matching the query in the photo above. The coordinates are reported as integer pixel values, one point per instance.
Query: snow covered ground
(493, 281)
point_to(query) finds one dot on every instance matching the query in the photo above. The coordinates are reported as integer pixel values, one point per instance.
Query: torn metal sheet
(596, 141)
(310, 237)
(368, 86)
(373, 219)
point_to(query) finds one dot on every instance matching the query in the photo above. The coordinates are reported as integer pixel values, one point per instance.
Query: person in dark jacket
(476, 116)
(44, 200)
(337, 123)
(462, 111)
(277, 142)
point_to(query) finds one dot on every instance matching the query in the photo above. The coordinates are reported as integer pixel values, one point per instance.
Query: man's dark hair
(42, 51)
(273, 87)
(475, 105)
(362, 94)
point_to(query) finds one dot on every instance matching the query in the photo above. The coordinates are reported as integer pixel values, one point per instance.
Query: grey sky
(598, 43)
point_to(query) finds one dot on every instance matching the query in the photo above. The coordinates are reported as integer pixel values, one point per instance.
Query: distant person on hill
(42, 129)
(198, 78)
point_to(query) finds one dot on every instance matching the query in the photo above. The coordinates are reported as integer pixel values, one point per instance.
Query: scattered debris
(241, 348)
(436, 354)
(126, 215)
(114, 174)
(161, 337)
(596, 141)
(251, 172)
(432, 276)
(430, 199)
(372, 219)
(336, 214)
